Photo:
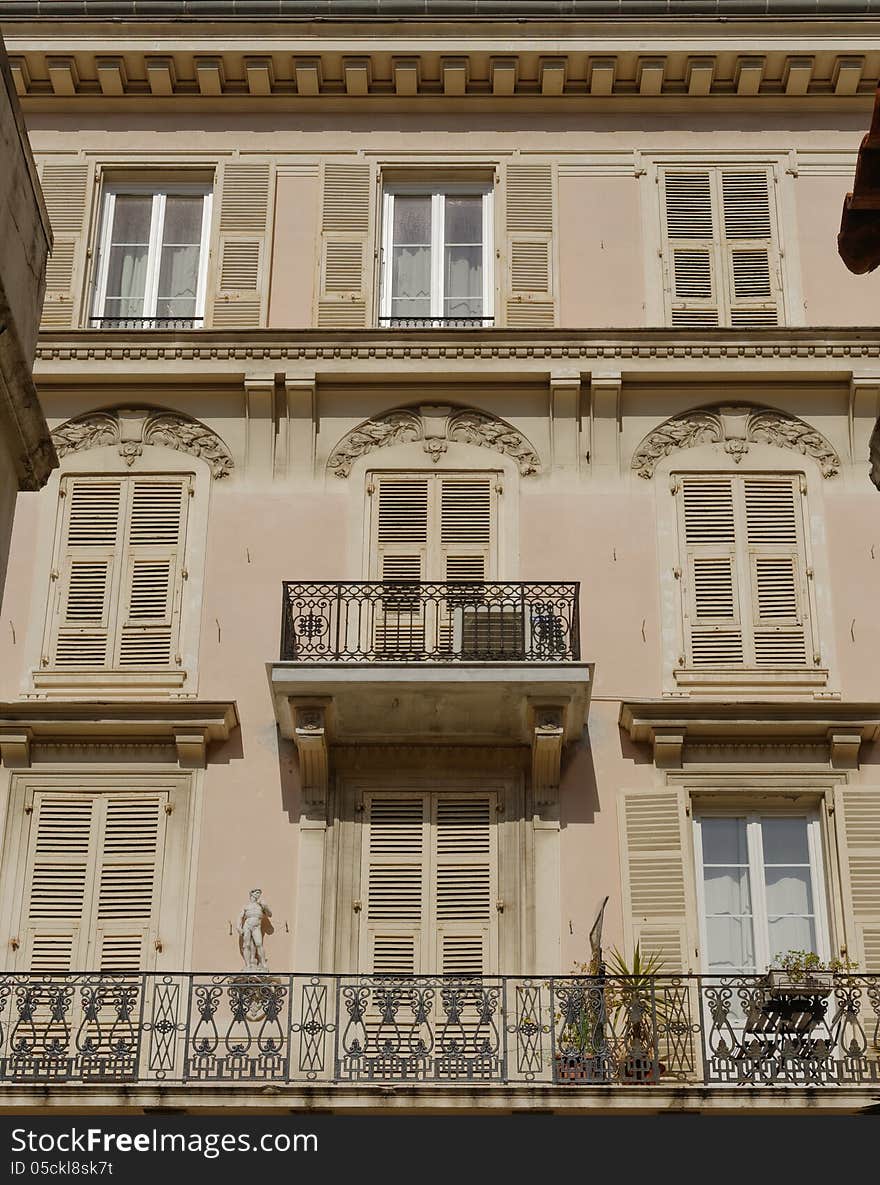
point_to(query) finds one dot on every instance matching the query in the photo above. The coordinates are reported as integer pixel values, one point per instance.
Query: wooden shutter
(93, 881)
(689, 248)
(655, 857)
(529, 211)
(857, 824)
(66, 190)
(396, 889)
(467, 521)
(745, 597)
(85, 572)
(242, 270)
(713, 624)
(346, 222)
(750, 254)
(776, 568)
(464, 883)
(153, 570)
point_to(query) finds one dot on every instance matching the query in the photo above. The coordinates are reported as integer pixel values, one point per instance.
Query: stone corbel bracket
(15, 747)
(548, 735)
(310, 738)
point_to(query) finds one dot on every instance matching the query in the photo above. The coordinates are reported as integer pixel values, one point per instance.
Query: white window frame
(438, 192)
(159, 194)
(757, 887)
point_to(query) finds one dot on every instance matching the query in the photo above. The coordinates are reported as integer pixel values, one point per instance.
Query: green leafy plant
(800, 963)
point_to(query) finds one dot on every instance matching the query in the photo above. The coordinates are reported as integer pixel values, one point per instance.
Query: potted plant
(638, 1011)
(802, 973)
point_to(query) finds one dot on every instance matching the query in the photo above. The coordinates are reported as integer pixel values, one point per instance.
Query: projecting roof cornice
(669, 725)
(354, 59)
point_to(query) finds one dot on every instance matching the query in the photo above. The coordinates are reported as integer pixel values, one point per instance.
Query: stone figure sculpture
(250, 927)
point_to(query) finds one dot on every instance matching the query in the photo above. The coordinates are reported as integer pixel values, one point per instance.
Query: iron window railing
(401, 621)
(256, 1028)
(437, 322)
(146, 322)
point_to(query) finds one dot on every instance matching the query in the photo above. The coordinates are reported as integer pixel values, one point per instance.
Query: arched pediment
(131, 428)
(734, 428)
(436, 427)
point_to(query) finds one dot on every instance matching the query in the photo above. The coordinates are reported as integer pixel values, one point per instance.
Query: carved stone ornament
(735, 428)
(131, 428)
(435, 427)
(874, 454)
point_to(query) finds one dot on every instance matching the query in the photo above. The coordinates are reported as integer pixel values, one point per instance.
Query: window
(152, 258)
(761, 890)
(429, 884)
(92, 880)
(437, 253)
(117, 579)
(743, 572)
(720, 247)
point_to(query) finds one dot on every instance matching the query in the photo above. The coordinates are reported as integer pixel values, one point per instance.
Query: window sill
(766, 680)
(83, 683)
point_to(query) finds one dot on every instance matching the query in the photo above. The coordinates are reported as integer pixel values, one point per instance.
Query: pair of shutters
(746, 601)
(347, 222)
(429, 884)
(658, 870)
(240, 277)
(721, 247)
(92, 885)
(119, 573)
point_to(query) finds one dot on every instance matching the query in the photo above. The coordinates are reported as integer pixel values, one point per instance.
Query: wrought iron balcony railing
(437, 322)
(400, 621)
(146, 322)
(248, 1029)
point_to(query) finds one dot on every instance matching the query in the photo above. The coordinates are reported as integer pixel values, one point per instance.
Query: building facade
(464, 515)
(26, 453)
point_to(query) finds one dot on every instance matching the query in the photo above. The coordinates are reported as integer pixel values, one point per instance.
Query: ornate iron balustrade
(492, 1030)
(400, 621)
(437, 322)
(146, 322)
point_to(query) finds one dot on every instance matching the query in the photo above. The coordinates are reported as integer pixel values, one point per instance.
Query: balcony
(391, 661)
(568, 1033)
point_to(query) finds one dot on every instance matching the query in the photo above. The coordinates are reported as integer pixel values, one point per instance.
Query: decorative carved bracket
(735, 428)
(435, 427)
(547, 738)
(131, 428)
(192, 747)
(310, 738)
(15, 747)
(844, 747)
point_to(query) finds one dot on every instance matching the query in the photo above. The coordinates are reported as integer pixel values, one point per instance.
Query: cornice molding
(435, 427)
(132, 428)
(157, 346)
(734, 428)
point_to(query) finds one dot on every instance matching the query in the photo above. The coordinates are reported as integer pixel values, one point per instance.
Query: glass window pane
(464, 220)
(727, 891)
(785, 840)
(131, 219)
(183, 220)
(412, 220)
(178, 280)
(789, 890)
(464, 282)
(126, 281)
(724, 841)
(791, 933)
(411, 282)
(730, 945)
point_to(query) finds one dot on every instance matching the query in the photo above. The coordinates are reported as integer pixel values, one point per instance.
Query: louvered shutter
(66, 190)
(713, 625)
(467, 521)
(775, 556)
(654, 832)
(529, 216)
(395, 858)
(690, 247)
(857, 821)
(127, 880)
(84, 607)
(149, 622)
(241, 271)
(346, 221)
(750, 255)
(400, 552)
(464, 888)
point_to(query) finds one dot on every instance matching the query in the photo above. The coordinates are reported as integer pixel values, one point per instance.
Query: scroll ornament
(435, 427)
(735, 428)
(131, 429)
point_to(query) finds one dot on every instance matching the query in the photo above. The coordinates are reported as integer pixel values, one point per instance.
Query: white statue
(250, 927)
